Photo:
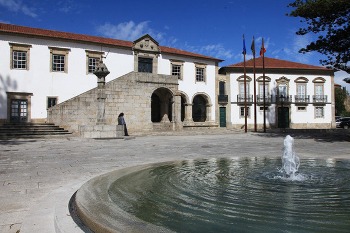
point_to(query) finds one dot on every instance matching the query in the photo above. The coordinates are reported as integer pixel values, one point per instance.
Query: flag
(262, 50)
(253, 47)
(244, 49)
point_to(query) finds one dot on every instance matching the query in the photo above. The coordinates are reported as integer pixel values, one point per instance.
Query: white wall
(296, 117)
(40, 81)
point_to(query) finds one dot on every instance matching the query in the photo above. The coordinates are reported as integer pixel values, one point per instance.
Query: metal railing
(319, 99)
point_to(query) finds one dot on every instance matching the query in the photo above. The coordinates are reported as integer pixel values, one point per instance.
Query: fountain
(290, 161)
(237, 194)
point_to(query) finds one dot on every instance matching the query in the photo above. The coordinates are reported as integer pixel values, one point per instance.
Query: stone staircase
(31, 130)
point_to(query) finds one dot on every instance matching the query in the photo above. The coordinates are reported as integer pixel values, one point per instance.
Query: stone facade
(130, 94)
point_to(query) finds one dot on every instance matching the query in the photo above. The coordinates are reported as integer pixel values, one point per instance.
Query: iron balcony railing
(302, 99)
(241, 99)
(319, 99)
(284, 99)
(223, 99)
(260, 99)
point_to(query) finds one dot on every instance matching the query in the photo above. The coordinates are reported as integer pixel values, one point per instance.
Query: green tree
(340, 96)
(329, 20)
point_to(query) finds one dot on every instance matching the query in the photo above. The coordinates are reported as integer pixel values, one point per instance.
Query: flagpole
(264, 105)
(245, 86)
(253, 50)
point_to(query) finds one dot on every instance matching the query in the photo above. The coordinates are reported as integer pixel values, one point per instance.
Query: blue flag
(244, 48)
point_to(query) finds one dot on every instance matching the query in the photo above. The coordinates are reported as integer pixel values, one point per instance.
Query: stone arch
(201, 107)
(162, 105)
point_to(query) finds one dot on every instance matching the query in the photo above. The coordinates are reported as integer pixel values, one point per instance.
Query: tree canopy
(329, 20)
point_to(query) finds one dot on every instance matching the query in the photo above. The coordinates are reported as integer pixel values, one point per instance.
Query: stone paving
(34, 171)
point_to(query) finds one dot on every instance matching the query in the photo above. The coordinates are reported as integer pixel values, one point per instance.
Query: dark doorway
(222, 117)
(155, 108)
(199, 113)
(161, 105)
(19, 111)
(283, 117)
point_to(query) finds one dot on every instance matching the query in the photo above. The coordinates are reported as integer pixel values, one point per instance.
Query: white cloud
(18, 6)
(128, 30)
(216, 50)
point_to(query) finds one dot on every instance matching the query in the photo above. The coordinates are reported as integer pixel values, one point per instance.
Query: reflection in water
(239, 195)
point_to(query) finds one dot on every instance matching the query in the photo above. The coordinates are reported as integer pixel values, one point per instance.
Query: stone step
(30, 130)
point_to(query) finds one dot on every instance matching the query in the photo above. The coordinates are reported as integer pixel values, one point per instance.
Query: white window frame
(200, 73)
(96, 55)
(241, 112)
(59, 53)
(179, 65)
(19, 48)
(319, 112)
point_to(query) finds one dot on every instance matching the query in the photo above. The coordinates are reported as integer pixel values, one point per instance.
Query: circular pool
(219, 195)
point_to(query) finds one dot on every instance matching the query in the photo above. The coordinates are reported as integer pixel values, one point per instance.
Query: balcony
(222, 99)
(284, 99)
(260, 99)
(302, 99)
(241, 99)
(319, 99)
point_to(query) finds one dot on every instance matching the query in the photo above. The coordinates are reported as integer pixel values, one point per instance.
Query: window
(92, 63)
(260, 96)
(241, 96)
(262, 108)
(301, 109)
(222, 88)
(301, 91)
(19, 60)
(145, 65)
(58, 62)
(261, 89)
(319, 112)
(59, 59)
(51, 101)
(20, 56)
(176, 70)
(200, 73)
(92, 60)
(319, 90)
(242, 112)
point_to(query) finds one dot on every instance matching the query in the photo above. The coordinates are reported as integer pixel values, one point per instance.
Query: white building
(297, 95)
(42, 68)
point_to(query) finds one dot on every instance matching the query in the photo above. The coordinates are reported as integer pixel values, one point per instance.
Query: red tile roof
(272, 63)
(50, 34)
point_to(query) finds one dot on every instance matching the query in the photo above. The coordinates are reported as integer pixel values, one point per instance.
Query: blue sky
(209, 27)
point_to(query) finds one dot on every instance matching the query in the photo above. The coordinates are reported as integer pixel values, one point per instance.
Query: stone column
(177, 112)
(208, 113)
(188, 114)
(101, 72)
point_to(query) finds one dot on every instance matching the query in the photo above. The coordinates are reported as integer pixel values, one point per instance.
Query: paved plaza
(38, 176)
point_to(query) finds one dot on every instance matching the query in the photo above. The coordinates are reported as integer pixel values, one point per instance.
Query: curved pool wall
(318, 197)
(100, 214)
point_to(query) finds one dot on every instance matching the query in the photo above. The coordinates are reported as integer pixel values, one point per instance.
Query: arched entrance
(162, 105)
(199, 109)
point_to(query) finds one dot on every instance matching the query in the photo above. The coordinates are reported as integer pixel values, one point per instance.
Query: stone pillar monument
(101, 129)
(101, 72)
